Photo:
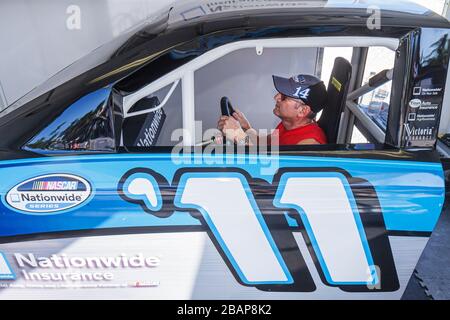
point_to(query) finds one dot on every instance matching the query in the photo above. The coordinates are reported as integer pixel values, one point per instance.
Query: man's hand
(239, 116)
(230, 127)
(226, 122)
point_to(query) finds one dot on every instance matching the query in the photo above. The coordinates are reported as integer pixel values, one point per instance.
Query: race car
(113, 185)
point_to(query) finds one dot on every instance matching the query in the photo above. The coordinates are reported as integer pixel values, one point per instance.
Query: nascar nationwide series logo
(48, 194)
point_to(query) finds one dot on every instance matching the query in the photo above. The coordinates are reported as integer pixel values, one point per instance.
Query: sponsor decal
(151, 129)
(67, 271)
(413, 131)
(233, 5)
(431, 91)
(415, 103)
(422, 117)
(193, 13)
(49, 194)
(411, 117)
(6, 272)
(144, 130)
(426, 105)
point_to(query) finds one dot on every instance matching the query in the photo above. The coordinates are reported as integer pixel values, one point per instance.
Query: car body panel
(402, 203)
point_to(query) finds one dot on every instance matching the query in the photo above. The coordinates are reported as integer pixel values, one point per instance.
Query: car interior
(244, 78)
(181, 106)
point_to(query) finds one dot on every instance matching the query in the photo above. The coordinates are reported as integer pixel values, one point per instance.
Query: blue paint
(10, 275)
(291, 221)
(411, 194)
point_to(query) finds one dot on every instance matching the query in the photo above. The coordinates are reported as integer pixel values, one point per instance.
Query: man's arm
(240, 117)
(255, 138)
(308, 141)
(238, 128)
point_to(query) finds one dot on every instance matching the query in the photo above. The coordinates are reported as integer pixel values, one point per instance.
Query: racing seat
(337, 95)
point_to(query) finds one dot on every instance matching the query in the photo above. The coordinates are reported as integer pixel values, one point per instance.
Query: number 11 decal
(339, 217)
(329, 213)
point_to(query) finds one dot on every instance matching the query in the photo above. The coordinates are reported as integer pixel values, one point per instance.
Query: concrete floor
(432, 277)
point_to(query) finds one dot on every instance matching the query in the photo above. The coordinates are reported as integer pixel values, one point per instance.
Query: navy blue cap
(310, 89)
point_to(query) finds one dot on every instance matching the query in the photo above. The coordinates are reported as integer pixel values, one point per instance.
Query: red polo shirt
(294, 136)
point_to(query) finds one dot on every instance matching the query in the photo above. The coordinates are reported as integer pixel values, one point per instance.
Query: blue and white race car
(112, 186)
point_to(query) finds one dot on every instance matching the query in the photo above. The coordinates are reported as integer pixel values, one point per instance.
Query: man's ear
(305, 110)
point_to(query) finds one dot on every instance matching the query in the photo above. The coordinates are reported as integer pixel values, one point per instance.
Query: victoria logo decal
(48, 194)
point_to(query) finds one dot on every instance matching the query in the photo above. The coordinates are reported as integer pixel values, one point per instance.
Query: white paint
(333, 225)
(188, 108)
(191, 268)
(235, 222)
(159, 106)
(142, 186)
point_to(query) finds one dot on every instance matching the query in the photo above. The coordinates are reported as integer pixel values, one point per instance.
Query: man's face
(287, 108)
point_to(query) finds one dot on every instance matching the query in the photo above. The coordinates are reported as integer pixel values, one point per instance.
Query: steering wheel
(227, 110)
(226, 107)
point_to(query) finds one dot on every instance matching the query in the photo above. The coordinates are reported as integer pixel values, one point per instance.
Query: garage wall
(2, 98)
(246, 79)
(39, 38)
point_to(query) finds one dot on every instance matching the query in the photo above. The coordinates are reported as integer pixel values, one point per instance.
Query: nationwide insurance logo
(6, 272)
(64, 271)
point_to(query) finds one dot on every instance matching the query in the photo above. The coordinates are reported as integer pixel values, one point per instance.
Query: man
(297, 102)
